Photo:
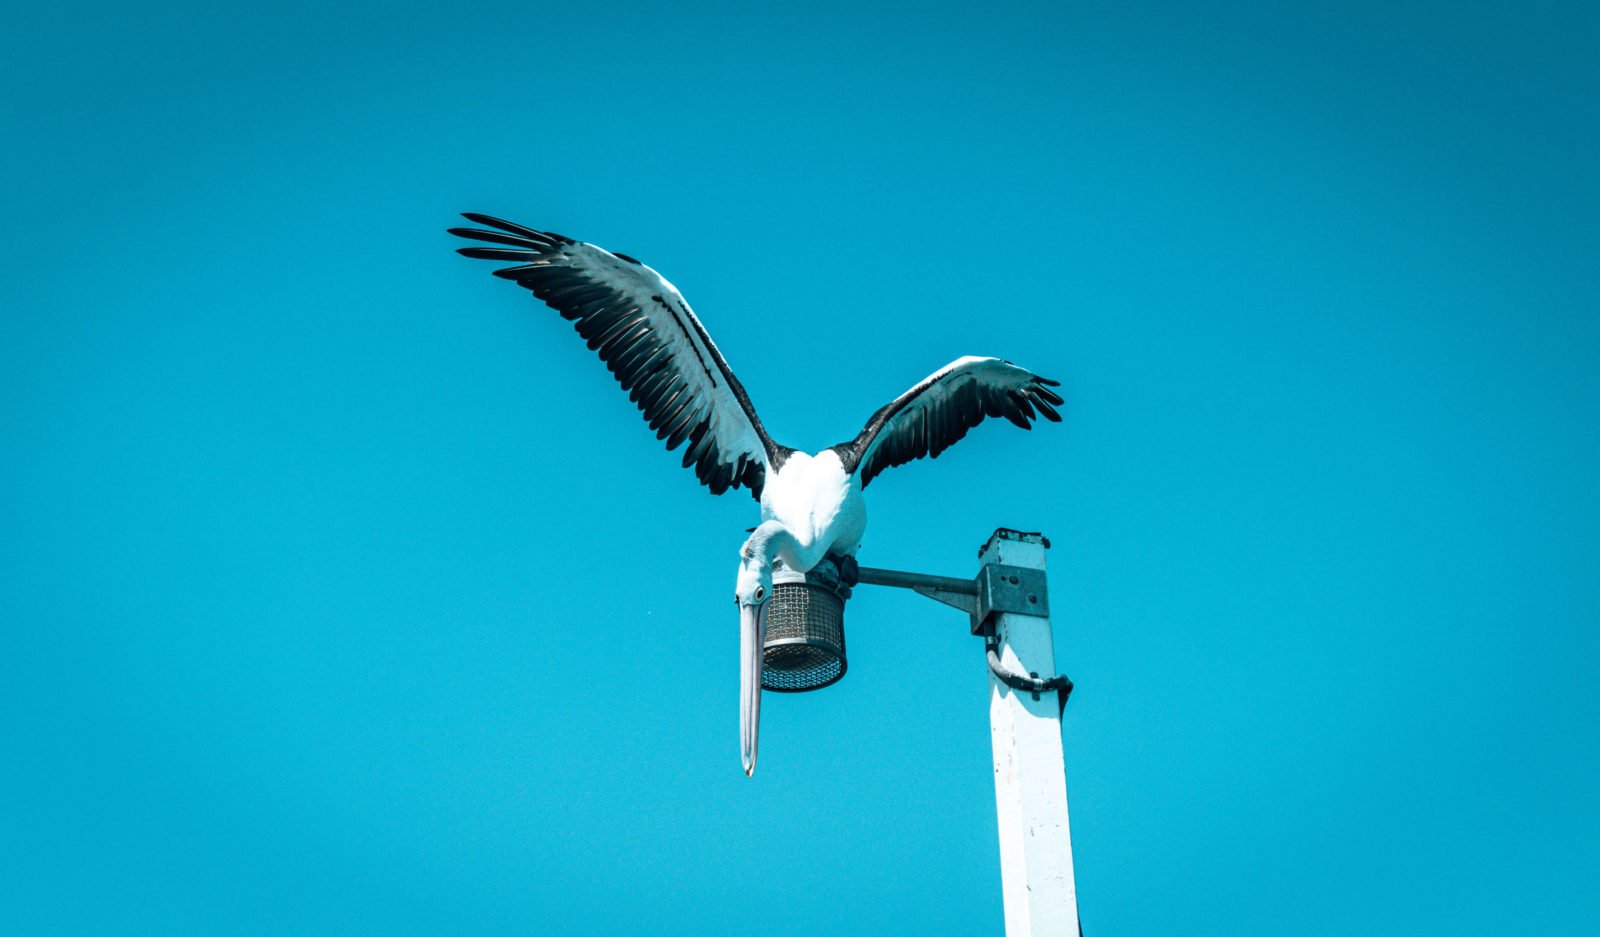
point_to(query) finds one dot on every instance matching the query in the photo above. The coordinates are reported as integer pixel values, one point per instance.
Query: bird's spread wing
(932, 416)
(651, 341)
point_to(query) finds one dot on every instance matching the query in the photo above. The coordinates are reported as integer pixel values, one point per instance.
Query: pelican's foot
(849, 571)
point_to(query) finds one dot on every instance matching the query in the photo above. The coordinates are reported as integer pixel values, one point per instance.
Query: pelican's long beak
(752, 638)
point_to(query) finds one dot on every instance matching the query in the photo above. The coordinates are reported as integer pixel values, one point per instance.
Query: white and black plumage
(811, 505)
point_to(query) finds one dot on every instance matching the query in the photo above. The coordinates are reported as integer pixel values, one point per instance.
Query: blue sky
(342, 593)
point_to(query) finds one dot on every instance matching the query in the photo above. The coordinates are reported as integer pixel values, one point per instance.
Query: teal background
(341, 593)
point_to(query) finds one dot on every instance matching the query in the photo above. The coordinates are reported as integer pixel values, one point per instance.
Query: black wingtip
(503, 224)
(493, 222)
(497, 253)
(532, 239)
(515, 228)
(1047, 382)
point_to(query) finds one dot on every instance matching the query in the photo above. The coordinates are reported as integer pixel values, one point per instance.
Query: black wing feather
(935, 415)
(649, 339)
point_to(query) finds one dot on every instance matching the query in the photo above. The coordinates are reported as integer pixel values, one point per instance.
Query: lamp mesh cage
(805, 630)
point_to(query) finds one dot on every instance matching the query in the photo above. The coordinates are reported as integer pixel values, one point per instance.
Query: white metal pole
(1030, 783)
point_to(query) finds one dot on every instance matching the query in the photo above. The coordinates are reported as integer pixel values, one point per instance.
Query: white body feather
(819, 504)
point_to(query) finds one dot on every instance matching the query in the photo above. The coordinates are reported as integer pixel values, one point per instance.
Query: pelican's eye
(761, 593)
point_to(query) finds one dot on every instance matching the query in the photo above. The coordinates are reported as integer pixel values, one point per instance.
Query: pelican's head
(752, 593)
(754, 585)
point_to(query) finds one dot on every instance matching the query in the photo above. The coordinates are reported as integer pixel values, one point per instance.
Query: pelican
(811, 504)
